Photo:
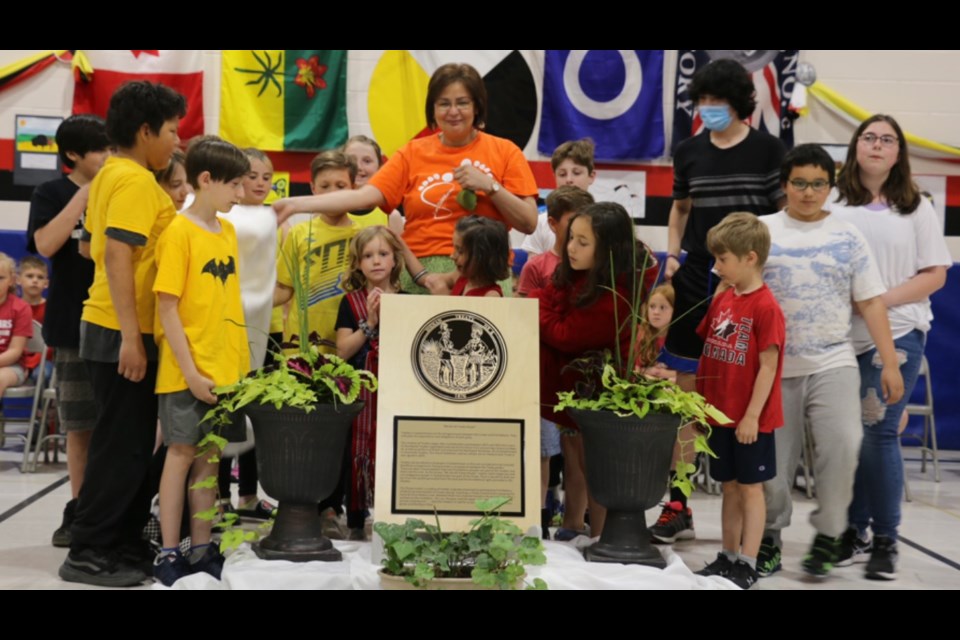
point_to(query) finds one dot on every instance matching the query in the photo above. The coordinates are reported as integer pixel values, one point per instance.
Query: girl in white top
(878, 196)
(256, 227)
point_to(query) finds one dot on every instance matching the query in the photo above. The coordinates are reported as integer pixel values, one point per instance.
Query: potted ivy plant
(629, 423)
(492, 554)
(301, 408)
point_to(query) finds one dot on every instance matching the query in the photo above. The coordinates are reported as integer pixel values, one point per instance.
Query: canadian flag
(178, 69)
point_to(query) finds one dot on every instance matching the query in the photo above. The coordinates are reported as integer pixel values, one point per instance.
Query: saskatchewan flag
(279, 100)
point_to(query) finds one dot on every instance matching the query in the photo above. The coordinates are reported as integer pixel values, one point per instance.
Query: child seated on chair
(33, 281)
(16, 327)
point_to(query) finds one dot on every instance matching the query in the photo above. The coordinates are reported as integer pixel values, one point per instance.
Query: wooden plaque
(458, 415)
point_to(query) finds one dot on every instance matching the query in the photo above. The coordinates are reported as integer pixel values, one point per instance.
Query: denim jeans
(879, 483)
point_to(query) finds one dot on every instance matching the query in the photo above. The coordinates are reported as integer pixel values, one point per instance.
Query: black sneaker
(742, 575)
(822, 556)
(359, 534)
(883, 559)
(853, 548)
(169, 568)
(99, 567)
(719, 567)
(62, 537)
(260, 510)
(210, 562)
(675, 523)
(139, 554)
(768, 560)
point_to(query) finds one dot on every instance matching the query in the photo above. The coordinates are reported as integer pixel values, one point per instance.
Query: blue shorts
(678, 363)
(745, 463)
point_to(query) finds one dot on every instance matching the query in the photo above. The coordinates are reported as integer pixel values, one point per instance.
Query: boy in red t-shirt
(743, 333)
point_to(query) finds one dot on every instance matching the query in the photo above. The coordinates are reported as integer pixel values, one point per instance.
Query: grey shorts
(180, 420)
(21, 373)
(76, 407)
(549, 439)
(180, 416)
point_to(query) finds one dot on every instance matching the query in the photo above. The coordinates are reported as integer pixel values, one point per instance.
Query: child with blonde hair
(376, 258)
(16, 327)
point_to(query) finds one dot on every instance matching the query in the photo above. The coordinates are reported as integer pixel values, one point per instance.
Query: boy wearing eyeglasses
(821, 271)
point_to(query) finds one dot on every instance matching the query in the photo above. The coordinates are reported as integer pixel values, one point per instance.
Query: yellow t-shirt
(372, 219)
(127, 204)
(201, 268)
(326, 249)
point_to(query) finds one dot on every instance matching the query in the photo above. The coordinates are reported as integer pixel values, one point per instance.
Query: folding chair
(928, 441)
(31, 390)
(47, 398)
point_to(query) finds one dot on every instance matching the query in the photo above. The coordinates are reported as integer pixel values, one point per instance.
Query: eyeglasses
(460, 105)
(886, 140)
(817, 185)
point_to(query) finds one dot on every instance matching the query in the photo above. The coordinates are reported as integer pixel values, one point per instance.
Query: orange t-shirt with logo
(420, 177)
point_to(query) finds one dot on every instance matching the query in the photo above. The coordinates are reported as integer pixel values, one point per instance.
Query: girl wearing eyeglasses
(878, 195)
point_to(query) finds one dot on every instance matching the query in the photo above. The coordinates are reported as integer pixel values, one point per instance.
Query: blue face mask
(715, 117)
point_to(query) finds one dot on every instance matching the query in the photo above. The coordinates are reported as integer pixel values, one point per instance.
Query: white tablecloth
(565, 569)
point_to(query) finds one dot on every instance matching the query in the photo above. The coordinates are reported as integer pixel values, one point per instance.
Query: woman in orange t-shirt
(428, 174)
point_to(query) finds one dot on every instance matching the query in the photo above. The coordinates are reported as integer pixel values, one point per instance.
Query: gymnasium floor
(31, 506)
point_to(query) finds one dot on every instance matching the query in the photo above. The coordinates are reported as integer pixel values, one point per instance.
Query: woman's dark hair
(470, 78)
(81, 134)
(899, 189)
(614, 253)
(727, 80)
(140, 102)
(487, 245)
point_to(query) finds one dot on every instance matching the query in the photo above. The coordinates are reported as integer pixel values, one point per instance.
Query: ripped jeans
(879, 482)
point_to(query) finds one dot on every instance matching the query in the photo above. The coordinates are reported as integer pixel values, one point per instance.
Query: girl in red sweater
(577, 315)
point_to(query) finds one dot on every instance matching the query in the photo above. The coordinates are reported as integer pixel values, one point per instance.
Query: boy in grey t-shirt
(817, 265)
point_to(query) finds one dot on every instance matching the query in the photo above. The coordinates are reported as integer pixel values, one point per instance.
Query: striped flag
(18, 71)
(278, 100)
(774, 77)
(398, 90)
(178, 69)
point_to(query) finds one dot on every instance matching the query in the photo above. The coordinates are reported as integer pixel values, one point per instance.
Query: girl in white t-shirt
(878, 196)
(256, 226)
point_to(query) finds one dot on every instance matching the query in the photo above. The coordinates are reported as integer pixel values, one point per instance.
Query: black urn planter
(299, 459)
(627, 464)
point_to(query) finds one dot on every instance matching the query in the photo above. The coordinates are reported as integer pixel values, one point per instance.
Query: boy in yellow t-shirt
(323, 243)
(203, 344)
(126, 213)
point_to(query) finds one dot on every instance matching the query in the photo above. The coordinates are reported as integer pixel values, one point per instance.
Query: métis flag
(614, 97)
(181, 70)
(278, 100)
